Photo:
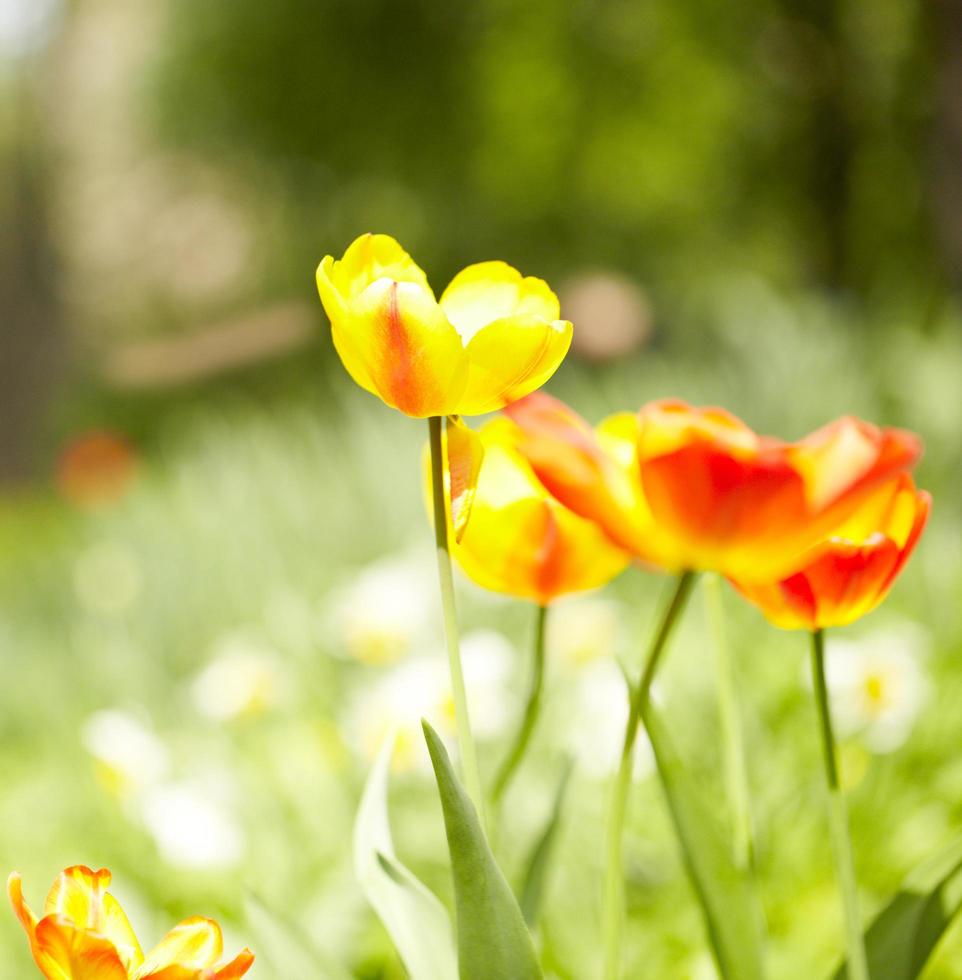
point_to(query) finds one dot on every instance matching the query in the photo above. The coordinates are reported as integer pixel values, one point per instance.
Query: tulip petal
(510, 358)
(465, 453)
(489, 291)
(23, 911)
(396, 336)
(237, 966)
(81, 895)
(195, 944)
(65, 952)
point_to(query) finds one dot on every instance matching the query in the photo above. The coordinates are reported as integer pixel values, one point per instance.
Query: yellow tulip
(85, 935)
(520, 540)
(493, 337)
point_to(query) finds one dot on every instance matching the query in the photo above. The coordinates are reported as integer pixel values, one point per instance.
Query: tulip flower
(849, 573)
(521, 541)
(696, 488)
(85, 935)
(493, 337)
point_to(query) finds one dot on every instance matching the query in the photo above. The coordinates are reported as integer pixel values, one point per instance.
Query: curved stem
(733, 748)
(614, 897)
(531, 711)
(469, 758)
(857, 963)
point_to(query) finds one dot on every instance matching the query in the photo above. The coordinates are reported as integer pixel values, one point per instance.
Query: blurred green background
(210, 617)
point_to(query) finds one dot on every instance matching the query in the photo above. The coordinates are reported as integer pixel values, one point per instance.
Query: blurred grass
(258, 498)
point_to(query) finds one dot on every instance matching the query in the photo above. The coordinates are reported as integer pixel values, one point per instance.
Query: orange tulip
(85, 935)
(520, 540)
(493, 337)
(749, 505)
(594, 472)
(849, 573)
(696, 488)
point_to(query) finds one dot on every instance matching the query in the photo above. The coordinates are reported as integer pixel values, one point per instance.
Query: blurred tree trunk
(947, 184)
(32, 336)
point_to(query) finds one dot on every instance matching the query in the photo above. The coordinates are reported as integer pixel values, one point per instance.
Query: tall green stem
(733, 747)
(531, 711)
(469, 757)
(614, 896)
(838, 819)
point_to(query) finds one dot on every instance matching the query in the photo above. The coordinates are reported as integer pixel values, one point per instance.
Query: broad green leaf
(726, 894)
(280, 945)
(905, 933)
(493, 940)
(539, 861)
(418, 924)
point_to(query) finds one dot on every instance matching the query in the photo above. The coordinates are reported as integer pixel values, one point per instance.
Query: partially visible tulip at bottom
(85, 935)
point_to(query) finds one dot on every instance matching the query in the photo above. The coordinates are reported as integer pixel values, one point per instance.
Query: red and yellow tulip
(493, 337)
(849, 573)
(521, 540)
(85, 935)
(696, 488)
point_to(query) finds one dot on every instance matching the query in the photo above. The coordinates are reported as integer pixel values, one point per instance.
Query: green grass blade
(728, 902)
(905, 933)
(418, 924)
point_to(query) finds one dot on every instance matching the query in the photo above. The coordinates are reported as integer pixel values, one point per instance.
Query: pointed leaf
(465, 455)
(905, 933)
(539, 862)
(493, 941)
(727, 898)
(418, 924)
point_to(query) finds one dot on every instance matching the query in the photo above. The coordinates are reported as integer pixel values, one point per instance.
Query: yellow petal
(395, 342)
(465, 453)
(237, 966)
(64, 952)
(23, 911)
(81, 896)
(510, 358)
(367, 259)
(489, 291)
(194, 944)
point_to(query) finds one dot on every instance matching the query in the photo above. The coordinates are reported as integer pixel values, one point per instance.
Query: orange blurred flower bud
(96, 469)
(849, 573)
(85, 935)
(493, 337)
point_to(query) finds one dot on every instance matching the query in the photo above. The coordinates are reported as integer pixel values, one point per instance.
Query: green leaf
(905, 933)
(540, 859)
(418, 924)
(282, 946)
(726, 894)
(493, 940)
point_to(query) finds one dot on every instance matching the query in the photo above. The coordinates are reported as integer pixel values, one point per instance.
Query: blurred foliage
(666, 139)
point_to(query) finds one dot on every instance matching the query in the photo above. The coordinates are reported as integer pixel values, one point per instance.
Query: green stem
(614, 896)
(531, 711)
(469, 757)
(733, 747)
(857, 964)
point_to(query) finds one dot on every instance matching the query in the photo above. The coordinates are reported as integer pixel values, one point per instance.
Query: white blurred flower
(192, 827)
(597, 723)
(877, 686)
(397, 702)
(384, 611)
(489, 660)
(420, 688)
(128, 755)
(107, 579)
(581, 629)
(242, 679)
